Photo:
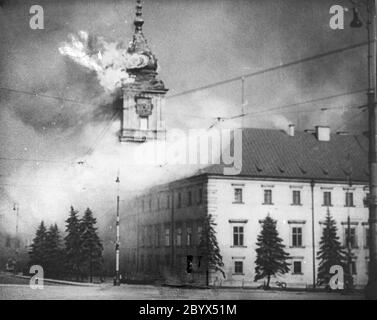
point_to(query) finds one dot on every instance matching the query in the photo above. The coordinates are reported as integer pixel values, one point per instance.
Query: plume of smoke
(108, 60)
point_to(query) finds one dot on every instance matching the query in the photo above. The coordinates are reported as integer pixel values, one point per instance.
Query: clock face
(136, 61)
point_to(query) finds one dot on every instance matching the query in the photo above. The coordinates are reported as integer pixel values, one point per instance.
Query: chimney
(291, 130)
(322, 133)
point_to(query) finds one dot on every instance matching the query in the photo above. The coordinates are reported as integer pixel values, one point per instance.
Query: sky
(197, 43)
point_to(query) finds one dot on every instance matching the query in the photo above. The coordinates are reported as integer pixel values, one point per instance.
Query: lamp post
(371, 290)
(117, 241)
(16, 208)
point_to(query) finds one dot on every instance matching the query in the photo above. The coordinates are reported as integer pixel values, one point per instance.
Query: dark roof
(274, 154)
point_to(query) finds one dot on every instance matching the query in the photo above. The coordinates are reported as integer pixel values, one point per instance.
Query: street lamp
(16, 209)
(117, 241)
(371, 290)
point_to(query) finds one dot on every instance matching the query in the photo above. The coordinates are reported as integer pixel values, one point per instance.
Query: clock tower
(143, 99)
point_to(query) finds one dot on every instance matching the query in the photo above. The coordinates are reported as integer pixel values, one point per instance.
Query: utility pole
(371, 289)
(349, 282)
(312, 184)
(371, 25)
(117, 241)
(16, 208)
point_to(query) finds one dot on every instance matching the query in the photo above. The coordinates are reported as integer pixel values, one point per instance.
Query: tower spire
(138, 22)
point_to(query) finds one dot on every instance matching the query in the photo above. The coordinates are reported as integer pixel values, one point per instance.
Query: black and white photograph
(212, 151)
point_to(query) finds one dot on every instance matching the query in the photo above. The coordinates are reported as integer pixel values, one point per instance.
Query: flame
(107, 59)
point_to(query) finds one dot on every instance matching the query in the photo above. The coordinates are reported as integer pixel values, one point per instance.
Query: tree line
(77, 256)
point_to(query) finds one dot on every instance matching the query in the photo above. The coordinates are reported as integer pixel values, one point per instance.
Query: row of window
(190, 201)
(238, 267)
(151, 236)
(296, 197)
(296, 237)
(154, 263)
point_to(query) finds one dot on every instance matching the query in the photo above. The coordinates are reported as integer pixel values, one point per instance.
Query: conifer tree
(91, 246)
(53, 252)
(330, 250)
(210, 248)
(72, 244)
(271, 257)
(37, 251)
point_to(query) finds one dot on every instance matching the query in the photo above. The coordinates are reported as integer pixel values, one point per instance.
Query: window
(189, 265)
(367, 238)
(178, 238)
(349, 199)
(142, 205)
(238, 236)
(150, 204)
(297, 267)
(189, 236)
(267, 196)
(297, 237)
(142, 262)
(179, 204)
(167, 237)
(327, 199)
(167, 259)
(353, 267)
(158, 203)
(350, 237)
(150, 236)
(143, 232)
(199, 234)
(199, 261)
(238, 267)
(238, 195)
(149, 262)
(296, 197)
(366, 200)
(189, 198)
(200, 196)
(168, 201)
(143, 123)
(157, 236)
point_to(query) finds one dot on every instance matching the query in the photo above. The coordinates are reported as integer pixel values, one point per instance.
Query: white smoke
(109, 60)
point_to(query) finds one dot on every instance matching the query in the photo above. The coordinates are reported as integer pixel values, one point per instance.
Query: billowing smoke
(107, 59)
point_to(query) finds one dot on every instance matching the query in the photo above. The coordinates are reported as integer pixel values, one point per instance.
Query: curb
(71, 283)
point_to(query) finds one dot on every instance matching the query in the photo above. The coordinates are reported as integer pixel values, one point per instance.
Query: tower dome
(143, 98)
(141, 63)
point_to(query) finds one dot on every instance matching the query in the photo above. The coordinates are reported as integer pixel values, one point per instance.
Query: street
(13, 288)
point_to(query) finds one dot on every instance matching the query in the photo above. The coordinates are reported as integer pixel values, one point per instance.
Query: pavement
(15, 288)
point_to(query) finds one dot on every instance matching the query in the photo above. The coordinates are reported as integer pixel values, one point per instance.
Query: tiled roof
(274, 154)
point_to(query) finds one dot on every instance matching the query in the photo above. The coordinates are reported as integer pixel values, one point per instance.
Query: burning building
(143, 98)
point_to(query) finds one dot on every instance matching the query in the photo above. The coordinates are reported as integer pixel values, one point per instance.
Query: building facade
(295, 178)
